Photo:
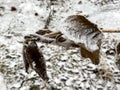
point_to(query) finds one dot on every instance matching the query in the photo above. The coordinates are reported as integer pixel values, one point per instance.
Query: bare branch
(52, 34)
(111, 31)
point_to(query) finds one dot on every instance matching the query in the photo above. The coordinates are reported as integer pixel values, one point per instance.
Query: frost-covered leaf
(84, 34)
(80, 30)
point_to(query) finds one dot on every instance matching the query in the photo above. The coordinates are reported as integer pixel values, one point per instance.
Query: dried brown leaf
(33, 57)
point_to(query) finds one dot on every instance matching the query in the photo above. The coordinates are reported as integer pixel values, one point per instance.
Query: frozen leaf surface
(80, 30)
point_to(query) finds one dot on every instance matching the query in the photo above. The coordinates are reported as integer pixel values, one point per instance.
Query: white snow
(65, 65)
(2, 83)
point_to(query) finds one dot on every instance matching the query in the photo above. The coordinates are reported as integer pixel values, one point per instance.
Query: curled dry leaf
(80, 30)
(85, 34)
(33, 57)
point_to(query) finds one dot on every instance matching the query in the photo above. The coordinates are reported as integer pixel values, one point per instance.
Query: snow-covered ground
(67, 70)
(2, 83)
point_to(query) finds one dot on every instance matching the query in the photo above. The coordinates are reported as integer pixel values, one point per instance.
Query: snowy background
(67, 70)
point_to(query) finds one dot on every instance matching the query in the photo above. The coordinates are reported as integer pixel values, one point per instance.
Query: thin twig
(111, 31)
(49, 16)
(52, 34)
